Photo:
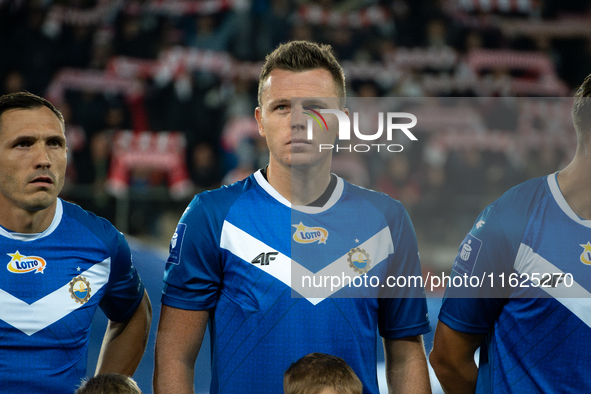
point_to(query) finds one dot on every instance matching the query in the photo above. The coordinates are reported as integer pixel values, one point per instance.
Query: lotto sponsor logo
(586, 255)
(306, 235)
(20, 264)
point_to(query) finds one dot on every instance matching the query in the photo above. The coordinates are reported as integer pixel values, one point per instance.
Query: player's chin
(39, 201)
(304, 159)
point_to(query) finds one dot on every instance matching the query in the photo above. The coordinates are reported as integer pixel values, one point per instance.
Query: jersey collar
(561, 201)
(336, 195)
(57, 218)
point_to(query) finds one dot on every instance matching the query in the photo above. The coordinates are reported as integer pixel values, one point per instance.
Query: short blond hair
(317, 371)
(109, 383)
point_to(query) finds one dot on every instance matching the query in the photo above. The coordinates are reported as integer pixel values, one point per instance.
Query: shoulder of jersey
(223, 196)
(85, 217)
(381, 201)
(97, 225)
(520, 198)
(376, 198)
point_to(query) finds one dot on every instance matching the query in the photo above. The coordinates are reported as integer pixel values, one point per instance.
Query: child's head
(109, 383)
(319, 373)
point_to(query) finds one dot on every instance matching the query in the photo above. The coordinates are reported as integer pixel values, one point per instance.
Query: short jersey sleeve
(484, 251)
(488, 252)
(403, 312)
(193, 272)
(125, 289)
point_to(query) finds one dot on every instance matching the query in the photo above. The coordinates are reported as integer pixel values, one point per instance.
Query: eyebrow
(316, 101)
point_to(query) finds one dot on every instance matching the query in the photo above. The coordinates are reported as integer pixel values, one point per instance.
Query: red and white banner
(59, 14)
(146, 150)
(508, 59)
(370, 16)
(184, 7)
(499, 6)
(91, 80)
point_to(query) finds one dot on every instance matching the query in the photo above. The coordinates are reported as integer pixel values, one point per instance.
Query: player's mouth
(43, 180)
(300, 141)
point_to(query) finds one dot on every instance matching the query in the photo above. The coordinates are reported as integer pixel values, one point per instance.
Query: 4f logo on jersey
(586, 255)
(306, 235)
(264, 258)
(20, 264)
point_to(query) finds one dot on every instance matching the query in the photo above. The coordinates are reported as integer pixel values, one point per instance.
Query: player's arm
(124, 342)
(452, 359)
(178, 340)
(406, 365)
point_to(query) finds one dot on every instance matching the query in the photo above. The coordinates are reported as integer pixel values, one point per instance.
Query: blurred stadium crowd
(160, 94)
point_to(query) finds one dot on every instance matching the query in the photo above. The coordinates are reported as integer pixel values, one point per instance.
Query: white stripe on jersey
(53, 307)
(247, 247)
(576, 298)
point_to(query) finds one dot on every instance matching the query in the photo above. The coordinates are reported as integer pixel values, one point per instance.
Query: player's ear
(258, 116)
(346, 111)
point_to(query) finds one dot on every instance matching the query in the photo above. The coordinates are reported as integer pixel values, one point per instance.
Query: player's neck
(575, 184)
(301, 185)
(26, 222)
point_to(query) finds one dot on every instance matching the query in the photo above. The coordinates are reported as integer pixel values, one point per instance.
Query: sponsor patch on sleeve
(176, 244)
(466, 258)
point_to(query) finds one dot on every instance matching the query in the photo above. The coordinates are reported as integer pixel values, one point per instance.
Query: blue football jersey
(50, 286)
(238, 251)
(539, 324)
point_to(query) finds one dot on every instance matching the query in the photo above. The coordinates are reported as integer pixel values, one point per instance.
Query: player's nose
(41, 157)
(298, 121)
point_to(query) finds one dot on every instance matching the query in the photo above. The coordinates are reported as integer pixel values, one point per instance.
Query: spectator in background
(437, 36)
(398, 181)
(14, 82)
(79, 162)
(136, 37)
(109, 383)
(75, 46)
(271, 23)
(32, 51)
(213, 32)
(302, 32)
(432, 215)
(319, 373)
(205, 166)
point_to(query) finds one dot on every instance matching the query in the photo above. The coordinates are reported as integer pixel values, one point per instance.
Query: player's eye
(55, 143)
(22, 144)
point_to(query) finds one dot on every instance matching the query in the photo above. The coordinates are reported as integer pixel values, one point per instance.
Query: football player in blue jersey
(232, 255)
(59, 264)
(533, 321)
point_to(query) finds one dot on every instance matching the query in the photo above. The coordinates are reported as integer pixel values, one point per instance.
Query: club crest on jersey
(20, 264)
(359, 260)
(586, 255)
(80, 289)
(306, 235)
(176, 244)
